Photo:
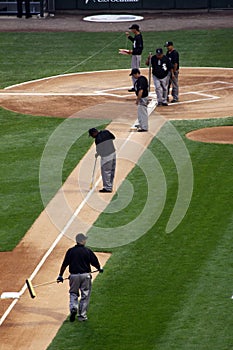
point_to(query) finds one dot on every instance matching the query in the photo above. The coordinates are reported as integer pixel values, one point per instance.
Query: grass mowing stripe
(137, 298)
(147, 285)
(207, 304)
(23, 139)
(69, 50)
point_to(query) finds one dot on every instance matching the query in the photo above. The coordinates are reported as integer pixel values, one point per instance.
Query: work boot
(73, 313)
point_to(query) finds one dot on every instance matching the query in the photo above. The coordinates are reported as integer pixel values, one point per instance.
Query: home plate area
(204, 93)
(208, 90)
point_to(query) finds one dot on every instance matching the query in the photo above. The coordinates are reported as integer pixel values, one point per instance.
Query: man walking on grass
(79, 259)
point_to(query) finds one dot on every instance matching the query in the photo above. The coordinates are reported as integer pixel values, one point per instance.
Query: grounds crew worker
(79, 259)
(136, 52)
(173, 56)
(141, 90)
(106, 150)
(161, 67)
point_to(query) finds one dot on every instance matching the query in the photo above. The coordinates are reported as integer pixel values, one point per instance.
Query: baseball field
(168, 225)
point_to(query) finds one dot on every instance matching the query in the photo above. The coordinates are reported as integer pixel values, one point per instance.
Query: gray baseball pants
(135, 63)
(143, 113)
(80, 282)
(175, 86)
(108, 167)
(161, 88)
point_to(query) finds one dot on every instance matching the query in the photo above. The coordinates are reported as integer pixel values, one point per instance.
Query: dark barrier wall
(195, 4)
(158, 4)
(121, 5)
(66, 5)
(222, 3)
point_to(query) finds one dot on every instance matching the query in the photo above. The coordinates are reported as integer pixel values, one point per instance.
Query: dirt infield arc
(204, 93)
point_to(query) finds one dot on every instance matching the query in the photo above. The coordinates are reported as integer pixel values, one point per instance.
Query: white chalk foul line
(207, 97)
(49, 251)
(59, 94)
(63, 232)
(44, 258)
(94, 93)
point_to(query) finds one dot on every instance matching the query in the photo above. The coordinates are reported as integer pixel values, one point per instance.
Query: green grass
(163, 291)
(168, 291)
(22, 143)
(57, 53)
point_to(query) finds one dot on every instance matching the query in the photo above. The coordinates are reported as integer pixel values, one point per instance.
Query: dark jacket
(141, 84)
(160, 67)
(79, 259)
(173, 57)
(137, 44)
(104, 143)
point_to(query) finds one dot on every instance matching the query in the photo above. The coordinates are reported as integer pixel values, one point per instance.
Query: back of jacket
(79, 259)
(104, 143)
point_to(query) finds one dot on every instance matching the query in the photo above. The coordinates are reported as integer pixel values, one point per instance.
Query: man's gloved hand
(101, 270)
(60, 279)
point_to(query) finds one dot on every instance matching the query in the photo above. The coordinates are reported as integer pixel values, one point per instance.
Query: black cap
(134, 26)
(92, 131)
(159, 51)
(168, 43)
(80, 238)
(135, 71)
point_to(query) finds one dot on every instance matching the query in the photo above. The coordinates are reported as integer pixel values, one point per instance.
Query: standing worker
(161, 67)
(106, 150)
(173, 56)
(79, 259)
(20, 8)
(141, 88)
(136, 52)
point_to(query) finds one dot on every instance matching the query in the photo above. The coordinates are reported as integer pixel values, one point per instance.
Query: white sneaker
(82, 318)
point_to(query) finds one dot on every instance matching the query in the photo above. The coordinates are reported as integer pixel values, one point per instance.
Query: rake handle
(93, 174)
(46, 283)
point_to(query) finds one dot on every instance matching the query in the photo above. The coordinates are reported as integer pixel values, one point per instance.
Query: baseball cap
(135, 71)
(159, 51)
(168, 43)
(134, 26)
(80, 238)
(92, 131)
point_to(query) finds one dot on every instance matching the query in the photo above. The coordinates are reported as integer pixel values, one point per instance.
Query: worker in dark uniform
(141, 90)
(161, 67)
(136, 52)
(79, 259)
(106, 150)
(173, 56)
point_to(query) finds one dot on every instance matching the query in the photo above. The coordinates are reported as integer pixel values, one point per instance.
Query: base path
(204, 93)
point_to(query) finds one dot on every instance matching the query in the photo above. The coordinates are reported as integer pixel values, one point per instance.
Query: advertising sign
(109, 4)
